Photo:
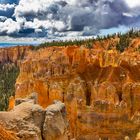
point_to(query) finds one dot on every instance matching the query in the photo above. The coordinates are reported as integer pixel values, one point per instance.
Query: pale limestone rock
(31, 122)
(55, 125)
(138, 136)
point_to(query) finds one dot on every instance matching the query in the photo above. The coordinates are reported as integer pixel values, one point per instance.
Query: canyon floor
(74, 92)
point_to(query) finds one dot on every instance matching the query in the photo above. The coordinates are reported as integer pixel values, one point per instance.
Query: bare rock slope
(100, 88)
(31, 122)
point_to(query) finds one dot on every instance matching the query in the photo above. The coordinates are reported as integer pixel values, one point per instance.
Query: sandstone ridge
(13, 54)
(100, 88)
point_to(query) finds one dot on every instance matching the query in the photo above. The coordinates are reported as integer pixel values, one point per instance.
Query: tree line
(123, 43)
(8, 75)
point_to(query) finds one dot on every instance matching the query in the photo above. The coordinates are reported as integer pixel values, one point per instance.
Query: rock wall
(13, 54)
(7, 135)
(101, 88)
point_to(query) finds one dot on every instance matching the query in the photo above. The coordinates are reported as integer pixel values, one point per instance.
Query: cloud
(3, 18)
(9, 1)
(9, 27)
(53, 18)
(7, 10)
(133, 3)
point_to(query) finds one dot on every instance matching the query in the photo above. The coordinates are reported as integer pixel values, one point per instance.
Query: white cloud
(133, 3)
(5, 7)
(9, 27)
(7, 10)
(53, 18)
(2, 18)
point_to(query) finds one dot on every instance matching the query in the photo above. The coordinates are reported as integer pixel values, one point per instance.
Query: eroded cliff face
(9, 58)
(100, 88)
(13, 54)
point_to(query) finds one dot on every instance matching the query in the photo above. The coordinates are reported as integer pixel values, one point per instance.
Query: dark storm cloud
(64, 17)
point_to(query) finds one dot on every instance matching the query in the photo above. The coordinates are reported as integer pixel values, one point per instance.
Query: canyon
(74, 92)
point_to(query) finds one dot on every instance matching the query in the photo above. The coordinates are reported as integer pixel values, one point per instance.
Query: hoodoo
(97, 89)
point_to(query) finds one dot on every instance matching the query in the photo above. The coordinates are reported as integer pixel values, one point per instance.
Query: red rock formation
(7, 135)
(13, 54)
(101, 88)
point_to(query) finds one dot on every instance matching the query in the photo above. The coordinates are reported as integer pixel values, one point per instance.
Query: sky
(66, 18)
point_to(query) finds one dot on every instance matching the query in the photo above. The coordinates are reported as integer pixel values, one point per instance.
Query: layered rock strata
(101, 88)
(13, 54)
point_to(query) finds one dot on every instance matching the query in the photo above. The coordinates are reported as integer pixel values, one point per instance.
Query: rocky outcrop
(7, 135)
(30, 121)
(55, 126)
(13, 54)
(100, 87)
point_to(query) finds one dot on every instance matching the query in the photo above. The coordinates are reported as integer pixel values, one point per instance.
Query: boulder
(55, 125)
(31, 122)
